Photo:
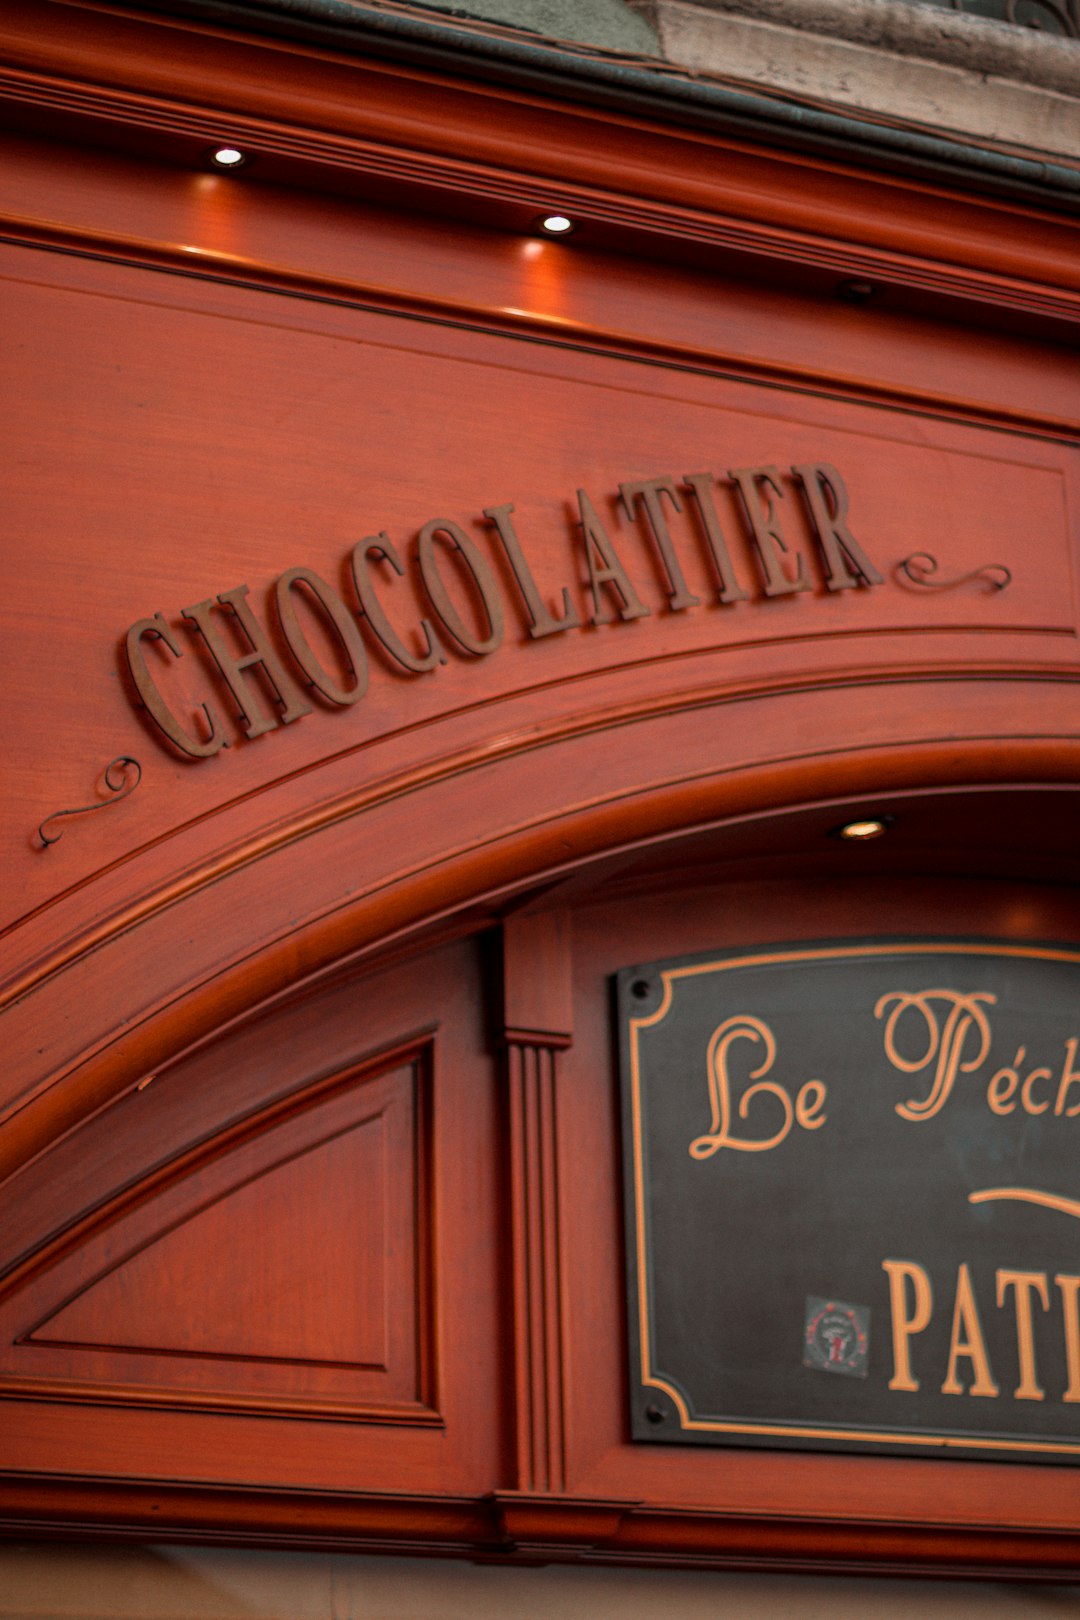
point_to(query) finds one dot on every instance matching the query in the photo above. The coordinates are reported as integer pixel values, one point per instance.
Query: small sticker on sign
(836, 1336)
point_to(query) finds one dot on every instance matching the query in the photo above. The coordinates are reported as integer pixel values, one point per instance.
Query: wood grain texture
(642, 923)
(504, 156)
(971, 498)
(537, 1248)
(538, 1025)
(258, 1244)
(294, 1264)
(310, 1213)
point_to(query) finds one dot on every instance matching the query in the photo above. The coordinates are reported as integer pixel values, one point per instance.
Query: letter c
(1030, 1105)
(159, 711)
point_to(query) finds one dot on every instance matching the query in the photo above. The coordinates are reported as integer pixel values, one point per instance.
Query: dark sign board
(853, 1198)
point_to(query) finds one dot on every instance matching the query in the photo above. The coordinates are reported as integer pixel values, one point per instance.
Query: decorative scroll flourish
(122, 776)
(918, 572)
(1028, 1195)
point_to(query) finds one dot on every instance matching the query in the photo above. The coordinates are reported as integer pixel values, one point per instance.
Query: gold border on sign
(777, 1431)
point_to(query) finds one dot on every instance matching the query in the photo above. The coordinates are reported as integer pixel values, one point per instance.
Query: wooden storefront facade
(428, 618)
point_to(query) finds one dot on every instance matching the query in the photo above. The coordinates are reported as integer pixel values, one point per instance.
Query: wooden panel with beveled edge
(219, 884)
(247, 1246)
(211, 381)
(289, 1263)
(185, 431)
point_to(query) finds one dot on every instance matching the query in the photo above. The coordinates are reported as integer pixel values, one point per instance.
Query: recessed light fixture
(862, 831)
(555, 225)
(228, 157)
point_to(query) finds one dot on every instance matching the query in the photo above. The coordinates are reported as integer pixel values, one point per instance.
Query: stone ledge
(805, 56)
(930, 33)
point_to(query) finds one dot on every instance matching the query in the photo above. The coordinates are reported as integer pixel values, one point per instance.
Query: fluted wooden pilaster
(536, 1029)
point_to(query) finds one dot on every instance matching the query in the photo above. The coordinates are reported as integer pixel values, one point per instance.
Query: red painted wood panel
(309, 1182)
(266, 406)
(264, 1244)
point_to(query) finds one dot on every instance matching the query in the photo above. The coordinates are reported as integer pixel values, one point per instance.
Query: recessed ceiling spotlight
(228, 157)
(555, 225)
(862, 831)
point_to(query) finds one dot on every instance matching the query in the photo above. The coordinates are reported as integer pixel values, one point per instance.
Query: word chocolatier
(609, 593)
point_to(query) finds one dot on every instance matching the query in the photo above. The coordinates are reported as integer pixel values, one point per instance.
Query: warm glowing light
(860, 832)
(556, 224)
(227, 157)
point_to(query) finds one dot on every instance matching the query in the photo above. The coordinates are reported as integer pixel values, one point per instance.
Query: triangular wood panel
(293, 1263)
(257, 1274)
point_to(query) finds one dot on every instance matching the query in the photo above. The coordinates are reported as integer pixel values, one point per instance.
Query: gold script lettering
(739, 1028)
(943, 1042)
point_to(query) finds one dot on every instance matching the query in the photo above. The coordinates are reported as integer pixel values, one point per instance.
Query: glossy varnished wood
(310, 1191)
(653, 920)
(284, 1237)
